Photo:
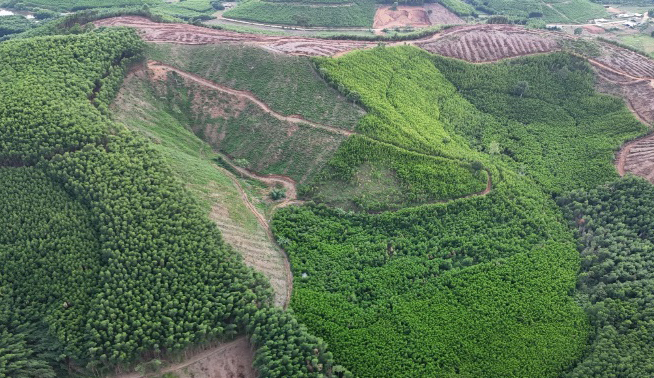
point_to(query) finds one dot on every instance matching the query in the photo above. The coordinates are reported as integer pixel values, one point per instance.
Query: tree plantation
(102, 249)
(186, 201)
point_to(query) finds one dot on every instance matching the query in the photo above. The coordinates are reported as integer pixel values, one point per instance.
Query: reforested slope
(478, 286)
(546, 116)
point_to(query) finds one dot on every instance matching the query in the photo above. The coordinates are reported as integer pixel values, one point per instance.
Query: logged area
(388, 17)
(185, 201)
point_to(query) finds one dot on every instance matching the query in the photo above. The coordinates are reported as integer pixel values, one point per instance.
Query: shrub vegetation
(359, 14)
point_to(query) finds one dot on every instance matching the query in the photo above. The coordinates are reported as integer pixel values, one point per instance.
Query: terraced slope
(195, 35)
(486, 43)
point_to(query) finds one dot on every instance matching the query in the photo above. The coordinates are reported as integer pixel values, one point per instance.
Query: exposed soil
(626, 61)
(196, 35)
(229, 360)
(414, 16)
(257, 248)
(401, 16)
(594, 29)
(488, 43)
(637, 157)
(440, 15)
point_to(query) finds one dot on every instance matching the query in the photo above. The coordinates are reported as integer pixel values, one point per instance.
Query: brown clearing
(414, 16)
(594, 29)
(189, 34)
(442, 16)
(402, 16)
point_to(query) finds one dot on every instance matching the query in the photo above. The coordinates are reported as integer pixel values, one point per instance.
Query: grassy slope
(413, 107)
(193, 161)
(287, 84)
(360, 14)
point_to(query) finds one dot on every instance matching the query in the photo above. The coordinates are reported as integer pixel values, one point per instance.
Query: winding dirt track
(271, 180)
(153, 65)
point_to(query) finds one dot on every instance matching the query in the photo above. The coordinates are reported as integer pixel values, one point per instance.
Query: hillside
(186, 201)
(146, 240)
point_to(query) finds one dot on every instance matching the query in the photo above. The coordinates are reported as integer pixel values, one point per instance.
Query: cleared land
(414, 16)
(197, 35)
(487, 43)
(191, 159)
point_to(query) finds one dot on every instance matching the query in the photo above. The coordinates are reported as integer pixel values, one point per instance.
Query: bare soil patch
(228, 360)
(414, 16)
(196, 35)
(638, 94)
(401, 16)
(637, 157)
(594, 29)
(440, 15)
(233, 361)
(487, 43)
(626, 61)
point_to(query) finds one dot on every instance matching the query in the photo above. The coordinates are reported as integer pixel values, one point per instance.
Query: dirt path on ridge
(160, 68)
(291, 198)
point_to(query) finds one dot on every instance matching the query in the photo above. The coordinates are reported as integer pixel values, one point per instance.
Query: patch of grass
(641, 42)
(289, 85)
(369, 175)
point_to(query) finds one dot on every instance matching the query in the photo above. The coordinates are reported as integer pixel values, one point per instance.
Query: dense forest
(616, 286)
(106, 259)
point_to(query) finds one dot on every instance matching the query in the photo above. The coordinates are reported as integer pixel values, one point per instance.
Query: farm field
(463, 203)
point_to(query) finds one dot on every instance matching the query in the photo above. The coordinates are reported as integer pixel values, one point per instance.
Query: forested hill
(105, 260)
